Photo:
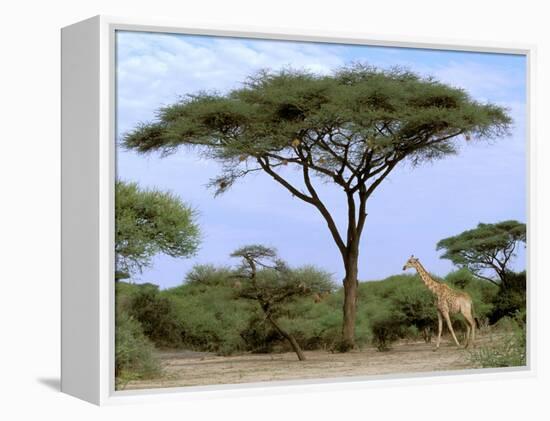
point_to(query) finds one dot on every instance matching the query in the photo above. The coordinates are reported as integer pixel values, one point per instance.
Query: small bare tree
(268, 280)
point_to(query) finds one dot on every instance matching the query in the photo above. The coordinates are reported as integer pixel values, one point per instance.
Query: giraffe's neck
(426, 278)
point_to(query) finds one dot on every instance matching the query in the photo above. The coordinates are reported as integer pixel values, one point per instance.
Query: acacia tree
(148, 222)
(488, 246)
(270, 282)
(351, 128)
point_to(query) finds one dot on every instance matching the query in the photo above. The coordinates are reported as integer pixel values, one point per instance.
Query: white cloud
(154, 69)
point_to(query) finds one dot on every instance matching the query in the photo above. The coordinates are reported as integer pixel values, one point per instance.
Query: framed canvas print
(246, 210)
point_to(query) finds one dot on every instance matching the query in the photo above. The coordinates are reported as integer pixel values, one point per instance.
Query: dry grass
(193, 369)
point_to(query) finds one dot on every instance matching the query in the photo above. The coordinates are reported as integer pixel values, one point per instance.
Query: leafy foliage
(149, 222)
(318, 325)
(210, 275)
(208, 315)
(386, 329)
(488, 246)
(134, 353)
(156, 314)
(511, 298)
(394, 305)
(259, 337)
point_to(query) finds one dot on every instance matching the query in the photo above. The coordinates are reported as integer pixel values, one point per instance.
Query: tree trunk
(293, 343)
(503, 277)
(350, 301)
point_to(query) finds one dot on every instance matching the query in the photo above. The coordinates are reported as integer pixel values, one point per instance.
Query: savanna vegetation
(351, 128)
(218, 310)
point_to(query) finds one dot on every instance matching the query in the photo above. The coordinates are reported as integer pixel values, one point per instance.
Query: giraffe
(449, 301)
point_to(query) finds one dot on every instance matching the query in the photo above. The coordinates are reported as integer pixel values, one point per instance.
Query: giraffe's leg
(439, 329)
(467, 335)
(450, 326)
(471, 321)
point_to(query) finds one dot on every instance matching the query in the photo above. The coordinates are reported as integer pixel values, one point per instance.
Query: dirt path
(185, 368)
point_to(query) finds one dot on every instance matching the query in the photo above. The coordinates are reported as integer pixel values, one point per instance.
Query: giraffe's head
(410, 263)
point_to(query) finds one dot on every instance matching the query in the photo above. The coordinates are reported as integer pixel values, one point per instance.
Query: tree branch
(267, 168)
(362, 209)
(487, 279)
(376, 182)
(324, 211)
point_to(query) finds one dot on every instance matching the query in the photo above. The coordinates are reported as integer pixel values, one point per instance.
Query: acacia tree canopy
(149, 222)
(488, 246)
(351, 127)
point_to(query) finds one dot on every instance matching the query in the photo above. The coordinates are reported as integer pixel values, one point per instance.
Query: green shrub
(461, 278)
(386, 323)
(511, 296)
(212, 321)
(363, 329)
(416, 306)
(386, 330)
(314, 325)
(157, 316)
(204, 313)
(396, 307)
(210, 275)
(258, 336)
(507, 351)
(207, 312)
(506, 324)
(134, 353)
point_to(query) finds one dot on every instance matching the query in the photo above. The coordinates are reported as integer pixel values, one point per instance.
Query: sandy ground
(186, 368)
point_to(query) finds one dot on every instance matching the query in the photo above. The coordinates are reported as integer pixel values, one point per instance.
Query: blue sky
(409, 212)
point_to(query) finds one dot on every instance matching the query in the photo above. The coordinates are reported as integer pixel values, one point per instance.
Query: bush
(387, 330)
(385, 322)
(396, 307)
(211, 321)
(134, 353)
(416, 306)
(210, 275)
(511, 297)
(461, 278)
(315, 325)
(204, 314)
(507, 352)
(258, 336)
(208, 315)
(156, 314)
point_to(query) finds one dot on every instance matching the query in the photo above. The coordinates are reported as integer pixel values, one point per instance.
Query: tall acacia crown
(352, 126)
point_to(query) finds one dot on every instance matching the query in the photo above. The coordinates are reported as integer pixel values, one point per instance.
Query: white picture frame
(88, 171)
